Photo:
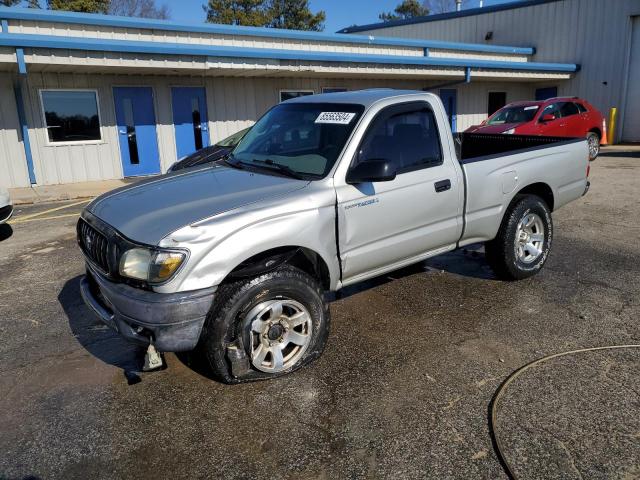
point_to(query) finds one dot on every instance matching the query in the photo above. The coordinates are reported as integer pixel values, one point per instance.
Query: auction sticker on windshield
(340, 118)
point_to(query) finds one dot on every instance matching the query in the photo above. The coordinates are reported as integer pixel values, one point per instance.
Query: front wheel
(593, 141)
(524, 239)
(266, 326)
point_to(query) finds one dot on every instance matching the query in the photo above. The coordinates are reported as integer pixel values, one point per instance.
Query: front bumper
(5, 213)
(172, 320)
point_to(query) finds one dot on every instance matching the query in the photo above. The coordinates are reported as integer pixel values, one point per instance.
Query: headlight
(511, 131)
(153, 266)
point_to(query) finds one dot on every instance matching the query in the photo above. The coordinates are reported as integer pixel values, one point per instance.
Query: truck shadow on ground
(97, 338)
(106, 345)
(5, 231)
(467, 262)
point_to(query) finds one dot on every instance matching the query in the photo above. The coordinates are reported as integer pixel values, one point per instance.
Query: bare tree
(441, 6)
(139, 8)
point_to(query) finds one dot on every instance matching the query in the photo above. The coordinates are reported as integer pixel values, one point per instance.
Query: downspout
(22, 118)
(467, 79)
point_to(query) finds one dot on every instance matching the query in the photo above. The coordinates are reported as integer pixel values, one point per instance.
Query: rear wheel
(266, 326)
(523, 242)
(593, 141)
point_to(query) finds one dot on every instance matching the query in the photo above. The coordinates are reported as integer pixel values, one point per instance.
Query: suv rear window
(581, 108)
(568, 108)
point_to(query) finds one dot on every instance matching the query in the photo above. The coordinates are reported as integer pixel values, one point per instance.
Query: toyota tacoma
(234, 260)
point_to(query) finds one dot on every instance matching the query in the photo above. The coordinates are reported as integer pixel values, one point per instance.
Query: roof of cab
(360, 97)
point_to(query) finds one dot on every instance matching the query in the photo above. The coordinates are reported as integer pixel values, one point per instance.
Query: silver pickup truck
(324, 191)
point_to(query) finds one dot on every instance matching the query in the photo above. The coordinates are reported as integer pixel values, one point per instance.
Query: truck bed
(475, 146)
(496, 166)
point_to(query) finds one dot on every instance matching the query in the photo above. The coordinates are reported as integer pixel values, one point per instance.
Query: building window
(289, 94)
(71, 115)
(497, 100)
(333, 89)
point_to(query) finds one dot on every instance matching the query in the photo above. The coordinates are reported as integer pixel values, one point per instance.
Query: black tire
(225, 325)
(501, 252)
(595, 138)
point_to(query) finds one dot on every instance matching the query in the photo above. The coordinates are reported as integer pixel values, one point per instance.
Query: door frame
(506, 99)
(454, 116)
(173, 123)
(154, 101)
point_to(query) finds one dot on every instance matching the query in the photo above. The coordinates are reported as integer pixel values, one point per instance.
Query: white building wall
(233, 103)
(13, 165)
(593, 33)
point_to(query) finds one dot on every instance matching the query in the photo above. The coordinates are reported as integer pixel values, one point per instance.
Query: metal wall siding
(75, 31)
(154, 48)
(13, 165)
(592, 33)
(138, 27)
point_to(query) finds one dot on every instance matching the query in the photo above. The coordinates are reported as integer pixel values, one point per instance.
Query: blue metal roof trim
(132, 46)
(127, 22)
(446, 16)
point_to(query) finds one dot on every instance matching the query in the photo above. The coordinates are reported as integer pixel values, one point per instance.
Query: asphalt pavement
(403, 389)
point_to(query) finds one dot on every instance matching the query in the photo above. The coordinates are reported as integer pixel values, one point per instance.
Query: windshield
(304, 138)
(233, 140)
(518, 114)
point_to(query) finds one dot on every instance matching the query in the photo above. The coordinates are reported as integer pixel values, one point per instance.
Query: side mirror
(372, 171)
(547, 118)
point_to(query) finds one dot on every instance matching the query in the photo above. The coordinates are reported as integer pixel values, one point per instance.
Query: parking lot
(403, 390)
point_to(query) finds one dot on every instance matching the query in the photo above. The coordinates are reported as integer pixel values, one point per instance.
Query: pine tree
(237, 12)
(295, 15)
(9, 3)
(86, 6)
(406, 9)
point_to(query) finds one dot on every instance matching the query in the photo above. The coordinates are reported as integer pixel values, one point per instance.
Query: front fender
(223, 246)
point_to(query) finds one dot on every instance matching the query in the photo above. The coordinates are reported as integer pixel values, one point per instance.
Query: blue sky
(340, 13)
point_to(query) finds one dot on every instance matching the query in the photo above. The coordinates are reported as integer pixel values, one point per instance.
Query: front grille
(94, 245)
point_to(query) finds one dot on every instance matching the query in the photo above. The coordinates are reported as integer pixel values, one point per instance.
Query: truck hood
(150, 210)
(502, 127)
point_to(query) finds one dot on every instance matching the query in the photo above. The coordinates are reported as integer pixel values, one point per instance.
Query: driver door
(551, 128)
(383, 225)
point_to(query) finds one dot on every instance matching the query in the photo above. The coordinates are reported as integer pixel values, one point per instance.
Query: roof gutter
(159, 48)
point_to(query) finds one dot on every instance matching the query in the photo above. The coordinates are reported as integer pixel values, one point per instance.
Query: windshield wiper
(227, 161)
(278, 166)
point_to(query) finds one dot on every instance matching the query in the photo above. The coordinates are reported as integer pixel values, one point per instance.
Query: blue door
(544, 93)
(449, 98)
(190, 119)
(136, 122)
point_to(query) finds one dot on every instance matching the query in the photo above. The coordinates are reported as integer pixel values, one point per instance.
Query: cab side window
(581, 108)
(568, 108)
(407, 137)
(553, 109)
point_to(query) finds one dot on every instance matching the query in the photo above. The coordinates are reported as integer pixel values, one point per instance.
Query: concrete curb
(69, 191)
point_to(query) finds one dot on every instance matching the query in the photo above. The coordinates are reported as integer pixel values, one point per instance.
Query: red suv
(555, 117)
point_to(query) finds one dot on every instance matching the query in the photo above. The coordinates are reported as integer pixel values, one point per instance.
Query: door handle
(442, 185)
